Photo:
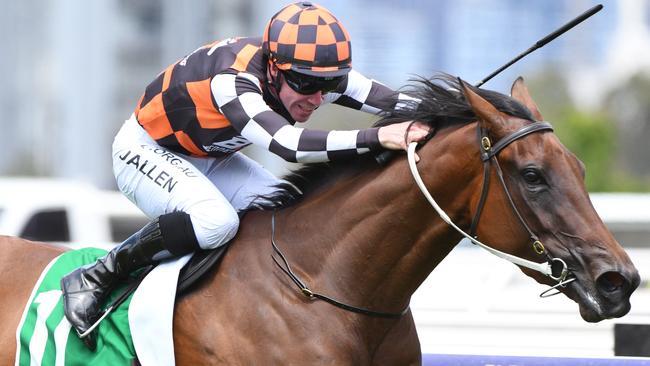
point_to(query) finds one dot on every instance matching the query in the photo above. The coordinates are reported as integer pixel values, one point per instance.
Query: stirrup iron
(88, 331)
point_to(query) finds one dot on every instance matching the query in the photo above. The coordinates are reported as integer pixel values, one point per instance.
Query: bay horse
(364, 235)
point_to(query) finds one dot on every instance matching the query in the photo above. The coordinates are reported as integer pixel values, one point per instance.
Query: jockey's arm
(239, 98)
(368, 95)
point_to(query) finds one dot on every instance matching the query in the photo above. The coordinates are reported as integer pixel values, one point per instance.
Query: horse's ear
(519, 92)
(490, 116)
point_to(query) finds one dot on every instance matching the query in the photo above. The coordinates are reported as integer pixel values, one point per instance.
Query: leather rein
(555, 268)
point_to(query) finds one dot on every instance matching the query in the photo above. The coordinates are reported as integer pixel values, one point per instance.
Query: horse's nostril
(611, 282)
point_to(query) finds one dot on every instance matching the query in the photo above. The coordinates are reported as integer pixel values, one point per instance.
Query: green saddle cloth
(46, 338)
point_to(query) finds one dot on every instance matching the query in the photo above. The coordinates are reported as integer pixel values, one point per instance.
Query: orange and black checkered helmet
(308, 39)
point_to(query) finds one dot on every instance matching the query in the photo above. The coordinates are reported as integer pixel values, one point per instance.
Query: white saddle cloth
(151, 314)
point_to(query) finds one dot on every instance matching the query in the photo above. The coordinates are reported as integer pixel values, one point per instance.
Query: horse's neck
(374, 237)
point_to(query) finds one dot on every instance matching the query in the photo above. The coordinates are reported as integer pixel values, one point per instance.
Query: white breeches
(211, 190)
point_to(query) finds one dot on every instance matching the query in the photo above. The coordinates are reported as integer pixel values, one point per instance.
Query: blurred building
(73, 70)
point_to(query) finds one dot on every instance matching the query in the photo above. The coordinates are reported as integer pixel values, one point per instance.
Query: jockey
(177, 156)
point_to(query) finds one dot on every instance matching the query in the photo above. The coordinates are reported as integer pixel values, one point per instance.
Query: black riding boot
(86, 288)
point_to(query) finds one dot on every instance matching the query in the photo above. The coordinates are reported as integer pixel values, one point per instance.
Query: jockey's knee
(213, 223)
(178, 233)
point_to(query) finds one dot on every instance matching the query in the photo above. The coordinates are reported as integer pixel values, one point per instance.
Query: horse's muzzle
(617, 287)
(611, 298)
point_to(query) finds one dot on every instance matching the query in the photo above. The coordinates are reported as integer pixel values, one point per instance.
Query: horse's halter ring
(555, 268)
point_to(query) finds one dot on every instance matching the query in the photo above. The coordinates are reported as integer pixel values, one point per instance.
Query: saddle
(202, 262)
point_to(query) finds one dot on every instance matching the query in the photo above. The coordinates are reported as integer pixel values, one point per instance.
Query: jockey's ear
(273, 69)
(519, 92)
(490, 117)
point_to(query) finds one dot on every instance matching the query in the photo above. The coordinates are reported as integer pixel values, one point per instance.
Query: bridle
(554, 268)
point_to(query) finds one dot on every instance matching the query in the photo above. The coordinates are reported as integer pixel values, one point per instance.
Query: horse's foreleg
(401, 345)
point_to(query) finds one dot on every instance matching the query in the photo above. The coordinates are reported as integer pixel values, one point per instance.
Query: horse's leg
(401, 346)
(21, 263)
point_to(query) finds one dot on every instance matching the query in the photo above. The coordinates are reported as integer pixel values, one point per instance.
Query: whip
(542, 42)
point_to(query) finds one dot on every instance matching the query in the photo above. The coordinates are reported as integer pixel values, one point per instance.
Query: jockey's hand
(394, 137)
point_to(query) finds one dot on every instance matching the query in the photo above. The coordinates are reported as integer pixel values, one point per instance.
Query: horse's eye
(532, 176)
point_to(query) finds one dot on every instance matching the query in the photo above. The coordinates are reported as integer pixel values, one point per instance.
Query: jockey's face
(300, 106)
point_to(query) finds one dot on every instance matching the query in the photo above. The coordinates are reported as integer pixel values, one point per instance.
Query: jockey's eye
(532, 176)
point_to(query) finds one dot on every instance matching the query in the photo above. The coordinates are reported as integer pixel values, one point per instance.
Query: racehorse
(364, 237)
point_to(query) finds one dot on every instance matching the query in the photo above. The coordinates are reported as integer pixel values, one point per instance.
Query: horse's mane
(440, 104)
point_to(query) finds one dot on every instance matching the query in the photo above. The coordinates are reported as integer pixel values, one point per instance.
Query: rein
(554, 268)
(305, 290)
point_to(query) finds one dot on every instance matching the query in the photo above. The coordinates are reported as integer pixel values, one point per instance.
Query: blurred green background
(611, 138)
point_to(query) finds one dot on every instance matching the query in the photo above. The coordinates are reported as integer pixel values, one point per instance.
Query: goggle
(307, 85)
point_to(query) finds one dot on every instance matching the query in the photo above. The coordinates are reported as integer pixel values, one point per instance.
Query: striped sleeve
(239, 98)
(369, 95)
